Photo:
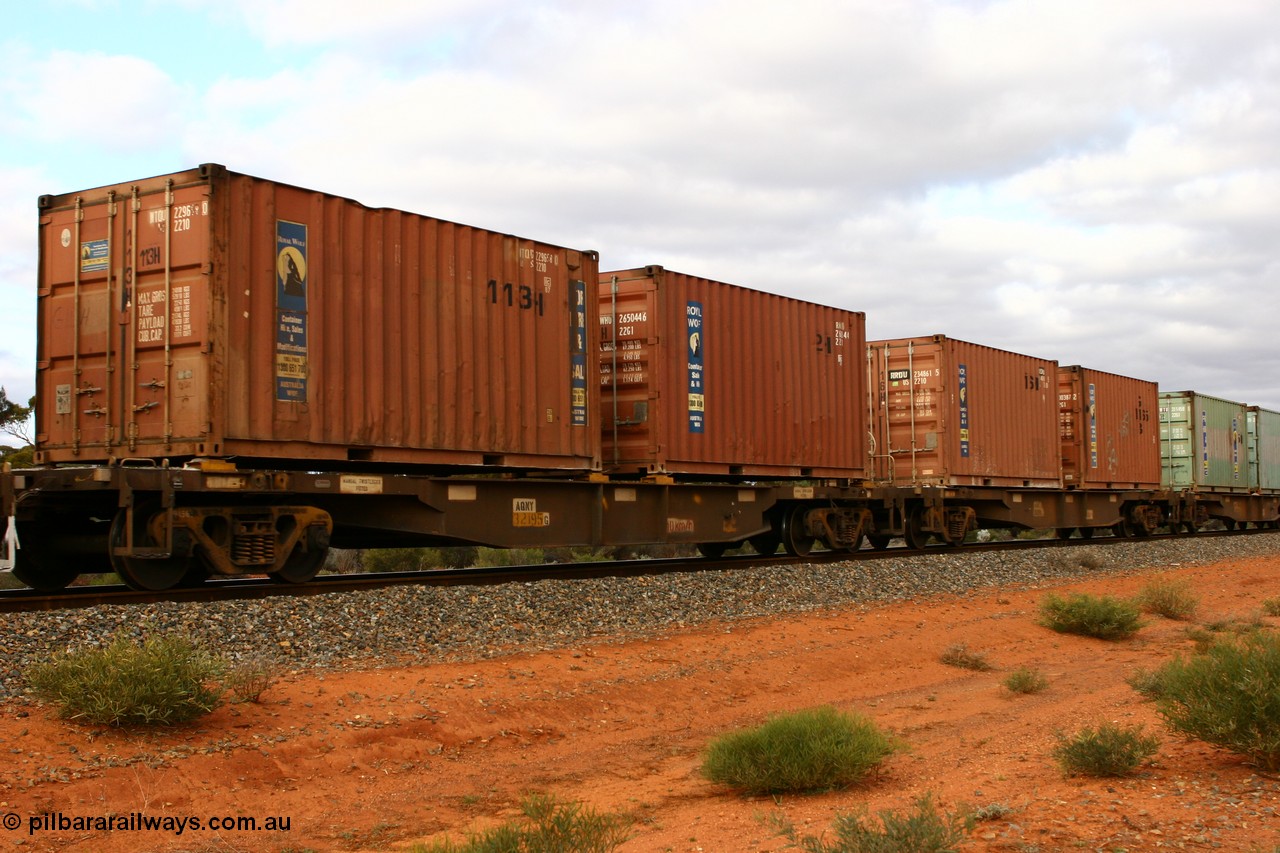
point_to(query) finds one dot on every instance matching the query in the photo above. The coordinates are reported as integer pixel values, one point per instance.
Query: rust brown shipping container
(953, 413)
(1110, 430)
(210, 313)
(705, 378)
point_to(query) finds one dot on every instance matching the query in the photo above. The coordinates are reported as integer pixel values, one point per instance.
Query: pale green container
(1264, 450)
(1203, 442)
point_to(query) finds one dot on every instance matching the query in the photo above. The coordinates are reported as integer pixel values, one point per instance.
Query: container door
(123, 305)
(628, 381)
(908, 386)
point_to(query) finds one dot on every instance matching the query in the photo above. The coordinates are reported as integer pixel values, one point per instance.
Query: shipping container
(953, 413)
(705, 378)
(207, 313)
(1264, 449)
(1110, 439)
(1202, 442)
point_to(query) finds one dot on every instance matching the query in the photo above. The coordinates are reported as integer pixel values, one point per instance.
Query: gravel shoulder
(409, 713)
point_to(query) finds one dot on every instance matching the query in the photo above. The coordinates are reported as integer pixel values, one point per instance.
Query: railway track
(27, 600)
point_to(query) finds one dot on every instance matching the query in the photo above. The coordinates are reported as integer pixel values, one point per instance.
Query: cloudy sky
(1093, 182)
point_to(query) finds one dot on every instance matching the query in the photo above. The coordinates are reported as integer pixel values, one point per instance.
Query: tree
(15, 419)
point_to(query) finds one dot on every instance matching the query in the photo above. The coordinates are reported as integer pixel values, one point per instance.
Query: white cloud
(1084, 180)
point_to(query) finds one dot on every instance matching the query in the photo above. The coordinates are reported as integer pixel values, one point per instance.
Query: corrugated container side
(1203, 442)
(949, 412)
(1109, 436)
(701, 377)
(208, 313)
(1264, 449)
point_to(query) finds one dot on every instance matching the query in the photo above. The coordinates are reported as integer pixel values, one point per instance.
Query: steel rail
(76, 597)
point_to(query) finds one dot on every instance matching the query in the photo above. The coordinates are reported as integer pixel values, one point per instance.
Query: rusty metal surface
(707, 378)
(208, 313)
(950, 412)
(1110, 434)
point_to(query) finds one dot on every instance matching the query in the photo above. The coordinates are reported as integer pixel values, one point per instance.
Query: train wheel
(913, 533)
(141, 573)
(795, 539)
(879, 541)
(1086, 532)
(43, 569)
(1229, 523)
(1124, 528)
(303, 565)
(1063, 532)
(713, 550)
(766, 544)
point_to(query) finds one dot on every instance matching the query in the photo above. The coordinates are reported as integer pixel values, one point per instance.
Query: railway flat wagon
(713, 380)
(207, 313)
(1110, 439)
(1203, 442)
(948, 412)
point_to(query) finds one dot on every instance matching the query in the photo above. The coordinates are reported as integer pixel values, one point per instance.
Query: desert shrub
(162, 681)
(991, 811)
(1147, 682)
(1271, 606)
(1104, 617)
(1108, 750)
(811, 750)
(377, 560)
(247, 679)
(922, 830)
(1228, 696)
(1025, 680)
(1170, 598)
(549, 826)
(497, 557)
(959, 655)
(1210, 633)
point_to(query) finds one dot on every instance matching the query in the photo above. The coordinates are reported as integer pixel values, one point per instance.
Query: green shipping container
(1202, 442)
(1264, 450)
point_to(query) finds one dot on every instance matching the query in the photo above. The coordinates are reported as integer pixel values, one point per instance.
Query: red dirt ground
(378, 759)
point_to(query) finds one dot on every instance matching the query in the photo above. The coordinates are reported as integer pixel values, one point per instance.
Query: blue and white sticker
(292, 361)
(578, 355)
(696, 345)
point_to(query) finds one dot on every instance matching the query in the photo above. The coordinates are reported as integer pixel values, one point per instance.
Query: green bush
(813, 750)
(959, 655)
(1170, 598)
(162, 681)
(1228, 696)
(549, 826)
(1026, 680)
(377, 560)
(498, 557)
(1147, 682)
(1108, 750)
(920, 831)
(1271, 607)
(1104, 617)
